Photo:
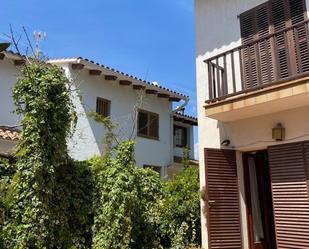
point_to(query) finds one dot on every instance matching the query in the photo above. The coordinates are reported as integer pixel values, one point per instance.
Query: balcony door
(259, 201)
(274, 37)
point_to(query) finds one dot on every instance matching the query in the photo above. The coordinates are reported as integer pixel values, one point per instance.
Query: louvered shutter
(281, 55)
(223, 199)
(279, 21)
(289, 180)
(249, 53)
(300, 34)
(265, 46)
(103, 107)
(257, 57)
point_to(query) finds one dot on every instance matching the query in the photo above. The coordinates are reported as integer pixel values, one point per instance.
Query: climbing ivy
(125, 202)
(48, 205)
(50, 201)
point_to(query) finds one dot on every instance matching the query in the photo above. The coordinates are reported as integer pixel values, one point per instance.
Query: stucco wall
(218, 30)
(8, 76)
(87, 140)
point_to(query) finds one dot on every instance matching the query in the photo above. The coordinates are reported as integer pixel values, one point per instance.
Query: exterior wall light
(4, 46)
(279, 132)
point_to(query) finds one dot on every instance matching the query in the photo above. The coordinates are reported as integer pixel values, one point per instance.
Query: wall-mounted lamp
(279, 132)
(226, 142)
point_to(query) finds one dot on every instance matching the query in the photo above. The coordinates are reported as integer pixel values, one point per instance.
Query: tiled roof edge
(120, 72)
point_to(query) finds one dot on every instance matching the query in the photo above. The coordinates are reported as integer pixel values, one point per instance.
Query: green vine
(50, 201)
(46, 201)
(125, 202)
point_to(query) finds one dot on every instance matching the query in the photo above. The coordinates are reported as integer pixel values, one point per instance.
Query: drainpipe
(182, 106)
(178, 108)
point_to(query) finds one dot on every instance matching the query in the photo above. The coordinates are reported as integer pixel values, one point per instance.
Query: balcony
(267, 75)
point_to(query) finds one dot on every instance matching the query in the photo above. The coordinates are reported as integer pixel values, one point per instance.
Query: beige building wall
(217, 31)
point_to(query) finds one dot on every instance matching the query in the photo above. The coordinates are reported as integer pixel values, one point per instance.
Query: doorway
(260, 213)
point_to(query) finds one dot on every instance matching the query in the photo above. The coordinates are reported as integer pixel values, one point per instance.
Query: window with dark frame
(288, 48)
(180, 136)
(103, 107)
(148, 124)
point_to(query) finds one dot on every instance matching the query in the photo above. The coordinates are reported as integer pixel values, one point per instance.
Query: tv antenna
(39, 36)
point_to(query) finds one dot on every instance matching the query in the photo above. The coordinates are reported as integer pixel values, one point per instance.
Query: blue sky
(151, 39)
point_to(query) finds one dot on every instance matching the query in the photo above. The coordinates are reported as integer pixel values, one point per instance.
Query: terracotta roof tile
(9, 133)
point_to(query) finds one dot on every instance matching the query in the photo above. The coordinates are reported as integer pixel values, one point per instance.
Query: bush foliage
(50, 201)
(180, 213)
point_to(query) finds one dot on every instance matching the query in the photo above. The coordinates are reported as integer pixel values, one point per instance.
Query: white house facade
(252, 64)
(141, 111)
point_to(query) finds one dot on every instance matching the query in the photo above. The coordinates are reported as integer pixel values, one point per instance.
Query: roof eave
(106, 70)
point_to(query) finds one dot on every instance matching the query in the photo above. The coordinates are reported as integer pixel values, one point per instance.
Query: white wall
(218, 30)
(8, 77)
(87, 140)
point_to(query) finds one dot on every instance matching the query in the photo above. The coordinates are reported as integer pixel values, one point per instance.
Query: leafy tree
(180, 214)
(51, 196)
(125, 202)
(7, 170)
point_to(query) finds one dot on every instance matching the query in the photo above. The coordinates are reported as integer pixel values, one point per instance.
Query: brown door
(289, 179)
(223, 213)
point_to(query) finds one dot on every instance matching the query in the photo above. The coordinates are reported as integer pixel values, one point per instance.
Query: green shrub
(125, 202)
(50, 201)
(49, 197)
(180, 216)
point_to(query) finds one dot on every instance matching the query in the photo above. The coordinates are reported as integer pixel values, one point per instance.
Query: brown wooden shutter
(255, 24)
(248, 32)
(280, 56)
(103, 107)
(298, 14)
(223, 198)
(289, 179)
(279, 22)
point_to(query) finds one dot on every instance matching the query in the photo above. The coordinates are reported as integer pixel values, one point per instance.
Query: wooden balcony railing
(269, 60)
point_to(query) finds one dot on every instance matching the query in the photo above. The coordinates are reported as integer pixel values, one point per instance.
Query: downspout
(182, 106)
(178, 108)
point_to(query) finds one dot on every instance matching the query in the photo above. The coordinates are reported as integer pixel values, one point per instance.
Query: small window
(148, 124)
(180, 136)
(103, 107)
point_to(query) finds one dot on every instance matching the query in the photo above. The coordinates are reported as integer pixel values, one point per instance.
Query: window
(267, 19)
(103, 107)
(148, 124)
(180, 136)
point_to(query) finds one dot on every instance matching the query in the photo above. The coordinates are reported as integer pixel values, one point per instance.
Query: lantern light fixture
(278, 132)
